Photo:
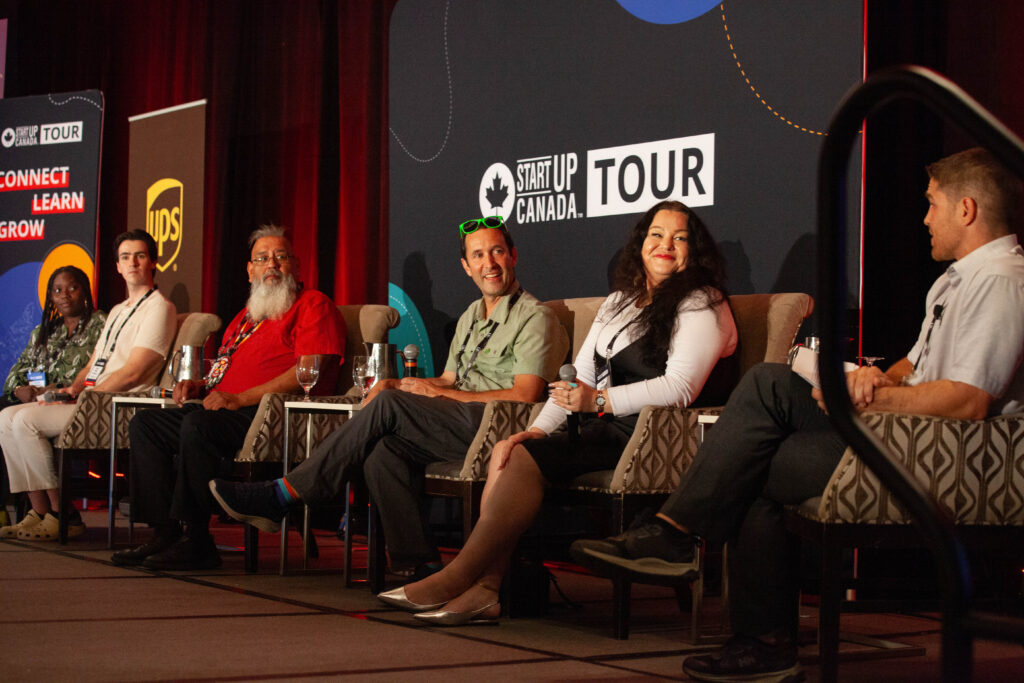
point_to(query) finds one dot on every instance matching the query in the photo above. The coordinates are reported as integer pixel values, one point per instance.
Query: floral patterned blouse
(62, 358)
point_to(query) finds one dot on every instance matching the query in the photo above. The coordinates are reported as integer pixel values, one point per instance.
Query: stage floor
(68, 614)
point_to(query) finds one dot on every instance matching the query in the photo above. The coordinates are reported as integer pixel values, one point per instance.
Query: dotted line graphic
(73, 97)
(451, 103)
(725, 27)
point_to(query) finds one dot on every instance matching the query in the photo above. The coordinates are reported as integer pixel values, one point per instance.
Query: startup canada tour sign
(49, 196)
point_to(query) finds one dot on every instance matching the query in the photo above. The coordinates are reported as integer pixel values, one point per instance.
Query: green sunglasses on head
(474, 224)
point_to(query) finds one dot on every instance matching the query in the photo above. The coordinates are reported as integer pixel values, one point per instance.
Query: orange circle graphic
(66, 254)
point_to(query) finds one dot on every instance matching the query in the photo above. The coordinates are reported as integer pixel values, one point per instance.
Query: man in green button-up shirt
(507, 345)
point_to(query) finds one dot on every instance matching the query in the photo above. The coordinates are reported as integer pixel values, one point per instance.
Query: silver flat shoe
(443, 617)
(396, 598)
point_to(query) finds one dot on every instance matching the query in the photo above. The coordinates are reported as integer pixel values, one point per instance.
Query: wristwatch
(600, 402)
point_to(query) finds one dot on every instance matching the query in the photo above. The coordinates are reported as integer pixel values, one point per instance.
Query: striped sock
(285, 493)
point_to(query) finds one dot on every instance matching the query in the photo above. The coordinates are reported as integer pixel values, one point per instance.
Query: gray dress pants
(771, 447)
(390, 442)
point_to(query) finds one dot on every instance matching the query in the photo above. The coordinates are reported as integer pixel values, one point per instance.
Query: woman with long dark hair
(62, 342)
(654, 341)
(57, 348)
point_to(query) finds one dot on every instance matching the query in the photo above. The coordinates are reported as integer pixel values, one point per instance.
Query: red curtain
(296, 108)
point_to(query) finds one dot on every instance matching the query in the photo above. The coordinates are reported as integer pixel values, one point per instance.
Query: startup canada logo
(619, 180)
(45, 134)
(542, 189)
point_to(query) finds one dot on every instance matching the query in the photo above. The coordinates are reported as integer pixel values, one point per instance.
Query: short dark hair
(137, 235)
(503, 228)
(977, 174)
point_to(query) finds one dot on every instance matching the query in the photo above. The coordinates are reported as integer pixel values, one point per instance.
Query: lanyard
(491, 327)
(244, 330)
(110, 349)
(603, 363)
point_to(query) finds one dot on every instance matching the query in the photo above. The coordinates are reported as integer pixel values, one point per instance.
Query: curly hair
(704, 271)
(51, 318)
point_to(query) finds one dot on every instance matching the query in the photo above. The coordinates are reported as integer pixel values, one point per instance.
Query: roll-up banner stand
(166, 155)
(49, 197)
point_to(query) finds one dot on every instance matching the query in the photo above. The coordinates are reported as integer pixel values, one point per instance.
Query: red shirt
(313, 325)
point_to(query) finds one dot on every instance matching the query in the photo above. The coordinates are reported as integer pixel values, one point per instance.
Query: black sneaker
(186, 554)
(746, 659)
(647, 547)
(133, 557)
(255, 504)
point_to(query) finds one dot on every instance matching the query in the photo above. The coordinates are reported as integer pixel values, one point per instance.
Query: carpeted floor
(68, 614)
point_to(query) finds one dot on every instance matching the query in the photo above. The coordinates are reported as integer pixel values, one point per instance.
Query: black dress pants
(772, 446)
(175, 452)
(389, 443)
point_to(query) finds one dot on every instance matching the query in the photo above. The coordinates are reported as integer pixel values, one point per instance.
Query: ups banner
(166, 153)
(49, 194)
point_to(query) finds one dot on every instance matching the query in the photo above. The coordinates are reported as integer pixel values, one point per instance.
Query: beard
(269, 300)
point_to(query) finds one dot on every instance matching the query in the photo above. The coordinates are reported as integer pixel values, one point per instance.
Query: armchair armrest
(265, 438)
(660, 450)
(974, 469)
(501, 420)
(89, 426)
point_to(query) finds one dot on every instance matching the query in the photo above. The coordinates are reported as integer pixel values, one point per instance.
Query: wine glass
(308, 372)
(362, 374)
(870, 360)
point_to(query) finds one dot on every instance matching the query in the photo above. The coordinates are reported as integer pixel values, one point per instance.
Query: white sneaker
(28, 521)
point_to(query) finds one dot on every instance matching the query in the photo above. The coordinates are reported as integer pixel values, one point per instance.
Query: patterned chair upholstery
(973, 469)
(87, 433)
(501, 419)
(89, 426)
(363, 323)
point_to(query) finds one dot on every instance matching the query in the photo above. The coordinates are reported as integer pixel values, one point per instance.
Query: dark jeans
(771, 447)
(390, 442)
(175, 452)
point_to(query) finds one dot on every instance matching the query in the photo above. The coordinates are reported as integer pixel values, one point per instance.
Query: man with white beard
(175, 452)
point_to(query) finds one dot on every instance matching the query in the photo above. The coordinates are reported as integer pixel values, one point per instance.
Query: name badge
(37, 379)
(95, 371)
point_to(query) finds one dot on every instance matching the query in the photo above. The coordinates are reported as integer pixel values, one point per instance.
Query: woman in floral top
(62, 343)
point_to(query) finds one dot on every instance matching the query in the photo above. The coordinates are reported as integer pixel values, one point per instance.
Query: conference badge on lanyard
(95, 371)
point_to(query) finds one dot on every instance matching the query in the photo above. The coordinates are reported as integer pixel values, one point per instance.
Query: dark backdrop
(297, 96)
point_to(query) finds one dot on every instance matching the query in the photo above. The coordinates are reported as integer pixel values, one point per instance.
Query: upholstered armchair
(973, 469)
(88, 432)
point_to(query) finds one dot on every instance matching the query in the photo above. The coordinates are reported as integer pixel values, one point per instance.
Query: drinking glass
(362, 374)
(308, 372)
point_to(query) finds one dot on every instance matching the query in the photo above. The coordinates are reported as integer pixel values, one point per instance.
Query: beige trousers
(25, 433)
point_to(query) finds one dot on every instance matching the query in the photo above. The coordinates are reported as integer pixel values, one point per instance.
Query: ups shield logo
(164, 209)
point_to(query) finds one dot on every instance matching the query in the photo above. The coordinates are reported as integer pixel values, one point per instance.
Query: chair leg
(64, 495)
(620, 607)
(828, 612)
(252, 549)
(376, 561)
(347, 575)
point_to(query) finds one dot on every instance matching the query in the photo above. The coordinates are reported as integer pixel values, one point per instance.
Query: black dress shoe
(132, 557)
(186, 554)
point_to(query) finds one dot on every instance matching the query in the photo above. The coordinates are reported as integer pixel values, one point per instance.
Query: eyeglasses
(278, 256)
(474, 224)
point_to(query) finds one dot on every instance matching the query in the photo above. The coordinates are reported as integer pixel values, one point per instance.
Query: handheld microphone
(160, 392)
(52, 396)
(567, 373)
(410, 353)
